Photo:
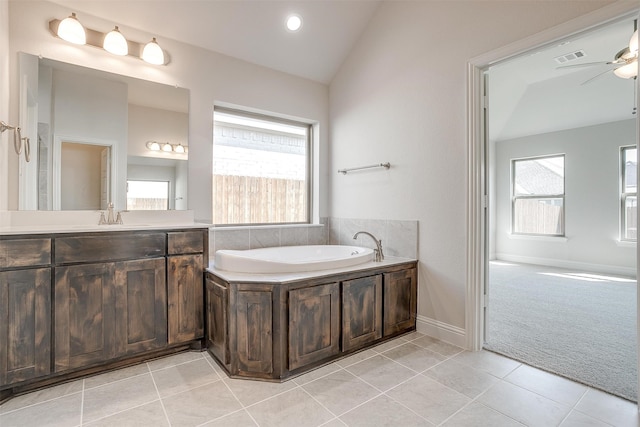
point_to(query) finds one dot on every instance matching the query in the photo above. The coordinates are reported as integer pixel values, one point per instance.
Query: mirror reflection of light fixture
(167, 147)
(152, 53)
(71, 30)
(630, 56)
(153, 146)
(115, 43)
(179, 148)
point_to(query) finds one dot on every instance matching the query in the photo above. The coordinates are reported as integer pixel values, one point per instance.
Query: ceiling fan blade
(586, 64)
(595, 77)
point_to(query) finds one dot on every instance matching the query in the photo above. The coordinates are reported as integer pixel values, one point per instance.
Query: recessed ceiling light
(294, 22)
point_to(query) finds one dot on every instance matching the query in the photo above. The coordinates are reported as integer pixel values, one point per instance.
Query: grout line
(242, 406)
(82, 404)
(164, 410)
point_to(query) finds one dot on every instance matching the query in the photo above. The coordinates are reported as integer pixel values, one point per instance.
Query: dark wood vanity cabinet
(73, 303)
(25, 309)
(272, 330)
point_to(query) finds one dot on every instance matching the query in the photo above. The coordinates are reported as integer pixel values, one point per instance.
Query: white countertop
(232, 276)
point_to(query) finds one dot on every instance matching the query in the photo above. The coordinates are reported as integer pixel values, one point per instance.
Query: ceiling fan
(625, 62)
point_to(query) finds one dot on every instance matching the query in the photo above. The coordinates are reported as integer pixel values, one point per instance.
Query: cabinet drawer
(186, 242)
(25, 252)
(109, 247)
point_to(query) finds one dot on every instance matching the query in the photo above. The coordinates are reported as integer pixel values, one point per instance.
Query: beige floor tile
(294, 408)
(150, 414)
(239, 418)
(356, 357)
(487, 361)
(214, 364)
(437, 346)
(249, 392)
(336, 422)
(383, 412)
(200, 405)
(462, 378)
(322, 371)
(578, 419)
(106, 400)
(173, 360)
(61, 412)
(381, 372)
(414, 357)
(117, 375)
(428, 398)
(523, 405)
(612, 409)
(548, 385)
(40, 396)
(478, 415)
(183, 377)
(340, 391)
(388, 345)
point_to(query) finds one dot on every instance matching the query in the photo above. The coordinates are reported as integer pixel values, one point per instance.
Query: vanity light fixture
(166, 147)
(179, 149)
(153, 146)
(71, 30)
(152, 53)
(115, 43)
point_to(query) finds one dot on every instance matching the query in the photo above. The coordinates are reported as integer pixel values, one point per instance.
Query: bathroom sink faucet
(110, 220)
(378, 254)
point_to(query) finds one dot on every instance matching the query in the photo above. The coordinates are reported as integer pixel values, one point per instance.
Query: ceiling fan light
(71, 30)
(115, 43)
(633, 43)
(627, 71)
(152, 53)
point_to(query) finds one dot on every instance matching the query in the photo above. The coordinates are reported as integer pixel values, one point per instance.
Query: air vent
(570, 57)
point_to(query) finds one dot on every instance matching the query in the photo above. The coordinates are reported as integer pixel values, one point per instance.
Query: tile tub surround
(399, 238)
(413, 380)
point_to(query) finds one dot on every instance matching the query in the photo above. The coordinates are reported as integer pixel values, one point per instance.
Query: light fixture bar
(96, 39)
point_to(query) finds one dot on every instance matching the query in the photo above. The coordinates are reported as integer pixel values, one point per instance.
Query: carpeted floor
(578, 325)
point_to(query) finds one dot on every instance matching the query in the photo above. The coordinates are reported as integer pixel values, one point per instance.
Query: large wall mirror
(99, 137)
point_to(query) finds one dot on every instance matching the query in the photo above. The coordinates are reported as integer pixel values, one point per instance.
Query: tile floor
(411, 381)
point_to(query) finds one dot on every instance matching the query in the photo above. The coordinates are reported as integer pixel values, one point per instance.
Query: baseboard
(442, 331)
(575, 265)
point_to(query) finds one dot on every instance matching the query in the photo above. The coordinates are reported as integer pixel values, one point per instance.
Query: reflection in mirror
(92, 130)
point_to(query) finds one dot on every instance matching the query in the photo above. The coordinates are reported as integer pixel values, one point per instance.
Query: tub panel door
(254, 317)
(361, 311)
(314, 324)
(400, 299)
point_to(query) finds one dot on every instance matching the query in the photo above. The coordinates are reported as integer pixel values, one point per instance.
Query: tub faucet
(378, 254)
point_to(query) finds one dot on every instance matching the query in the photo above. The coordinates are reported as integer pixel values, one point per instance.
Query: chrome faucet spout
(379, 254)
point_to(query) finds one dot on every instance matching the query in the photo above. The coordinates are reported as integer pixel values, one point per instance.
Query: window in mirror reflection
(147, 195)
(260, 169)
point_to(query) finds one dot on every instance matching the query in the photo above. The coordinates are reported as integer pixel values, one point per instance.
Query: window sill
(262, 227)
(625, 244)
(555, 239)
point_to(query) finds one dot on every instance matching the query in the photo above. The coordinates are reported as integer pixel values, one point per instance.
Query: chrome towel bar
(17, 140)
(379, 165)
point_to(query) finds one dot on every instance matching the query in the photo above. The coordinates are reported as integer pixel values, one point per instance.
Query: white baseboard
(575, 265)
(442, 331)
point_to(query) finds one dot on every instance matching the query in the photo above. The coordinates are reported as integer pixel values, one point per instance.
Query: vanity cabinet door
(400, 301)
(361, 311)
(84, 315)
(217, 301)
(253, 332)
(314, 324)
(141, 306)
(185, 276)
(25, 324)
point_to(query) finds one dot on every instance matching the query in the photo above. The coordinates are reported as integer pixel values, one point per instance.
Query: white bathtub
(291, 259)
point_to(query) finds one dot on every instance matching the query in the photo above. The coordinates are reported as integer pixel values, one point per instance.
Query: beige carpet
(575, 324)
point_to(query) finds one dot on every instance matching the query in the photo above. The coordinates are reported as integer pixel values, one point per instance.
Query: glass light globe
(627, 71)
(71, 30)
(152, 53)
(115, 42)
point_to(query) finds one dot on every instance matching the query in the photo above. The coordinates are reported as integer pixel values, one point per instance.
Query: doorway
(481, 202)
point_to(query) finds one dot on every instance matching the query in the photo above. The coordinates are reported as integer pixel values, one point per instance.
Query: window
(147, 195)
(538, 196)
(261, 169)
(629, 193)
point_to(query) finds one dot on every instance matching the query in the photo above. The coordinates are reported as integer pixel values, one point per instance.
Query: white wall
(4, 101)
(592, 204)
(210, 77)
(401, 97)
